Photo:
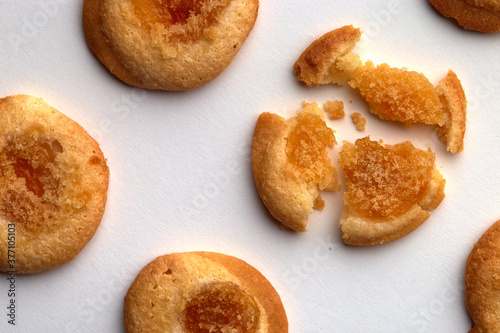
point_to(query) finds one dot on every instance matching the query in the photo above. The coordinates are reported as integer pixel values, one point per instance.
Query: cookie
(53, 186)
(329, 58)
(390, 190)
(454, 103)
(167, 45)
(482, 285)
(477, 15)
(290, 164)
(202, 292)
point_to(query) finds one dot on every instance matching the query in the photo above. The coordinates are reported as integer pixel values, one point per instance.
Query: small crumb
(350, 101)
(330, 248)
(335, 109)
(319, 203)
(359, 120)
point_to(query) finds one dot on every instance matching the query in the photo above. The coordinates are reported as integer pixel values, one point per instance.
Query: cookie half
(454, 103)
(202, 292)
(390, 190)
(167, 45)
(53, 185)
(291, 164)
(482, 284)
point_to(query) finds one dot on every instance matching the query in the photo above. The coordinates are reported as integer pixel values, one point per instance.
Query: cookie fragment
(335, 109)
(454, 103)
(398, 94)
(329, 59)
(291, 164)
(389, 190)
(359, 121)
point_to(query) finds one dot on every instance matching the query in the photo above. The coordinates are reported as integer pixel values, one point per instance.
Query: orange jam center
(385, 181)
(191, 16)
(168, 12)
(306, 146)
(29, 183)
(221, 307)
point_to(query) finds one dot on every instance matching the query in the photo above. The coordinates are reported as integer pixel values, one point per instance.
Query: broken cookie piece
(291, 164)
(390, 190)
(454, 103)
(329, 59)
(398, 94)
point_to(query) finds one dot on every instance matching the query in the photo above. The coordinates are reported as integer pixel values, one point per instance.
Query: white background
(181, 177)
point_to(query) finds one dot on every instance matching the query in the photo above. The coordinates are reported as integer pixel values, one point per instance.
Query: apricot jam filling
(384, 182)
(202, 13)
(306, 146)
(222, 307)
(398, 94)
(29, 178)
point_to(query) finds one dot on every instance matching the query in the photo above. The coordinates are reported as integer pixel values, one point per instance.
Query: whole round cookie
(167, 44)
(202, 292)
(477, 15)
(482, 283)
(53, 186)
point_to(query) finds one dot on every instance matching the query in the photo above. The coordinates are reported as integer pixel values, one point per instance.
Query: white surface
(181, 177)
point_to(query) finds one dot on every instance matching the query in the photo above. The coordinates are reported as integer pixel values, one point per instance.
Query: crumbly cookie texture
(167, 45)
(482, 292)
(53, 185)
(390, 190)
(335, 109)
(359, 121)
(291, 163)
(477, 15)
(329, 59)
(398, 94)
(202, 292)
(395, 94)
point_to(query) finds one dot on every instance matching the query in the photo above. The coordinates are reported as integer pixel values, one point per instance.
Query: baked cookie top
(167, 45)
(291, 163)
(329, 58)
(477, 15)
(482, 288)
(389, 190)
(202, 292)
(53, 184)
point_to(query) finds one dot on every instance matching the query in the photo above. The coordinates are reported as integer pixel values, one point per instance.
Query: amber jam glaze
(384, 182)
(306, 146)
(222, 307)
(30, 184)
(196, 16)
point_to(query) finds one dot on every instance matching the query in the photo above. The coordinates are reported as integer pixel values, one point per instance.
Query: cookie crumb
(334, 108)
(359, 120)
